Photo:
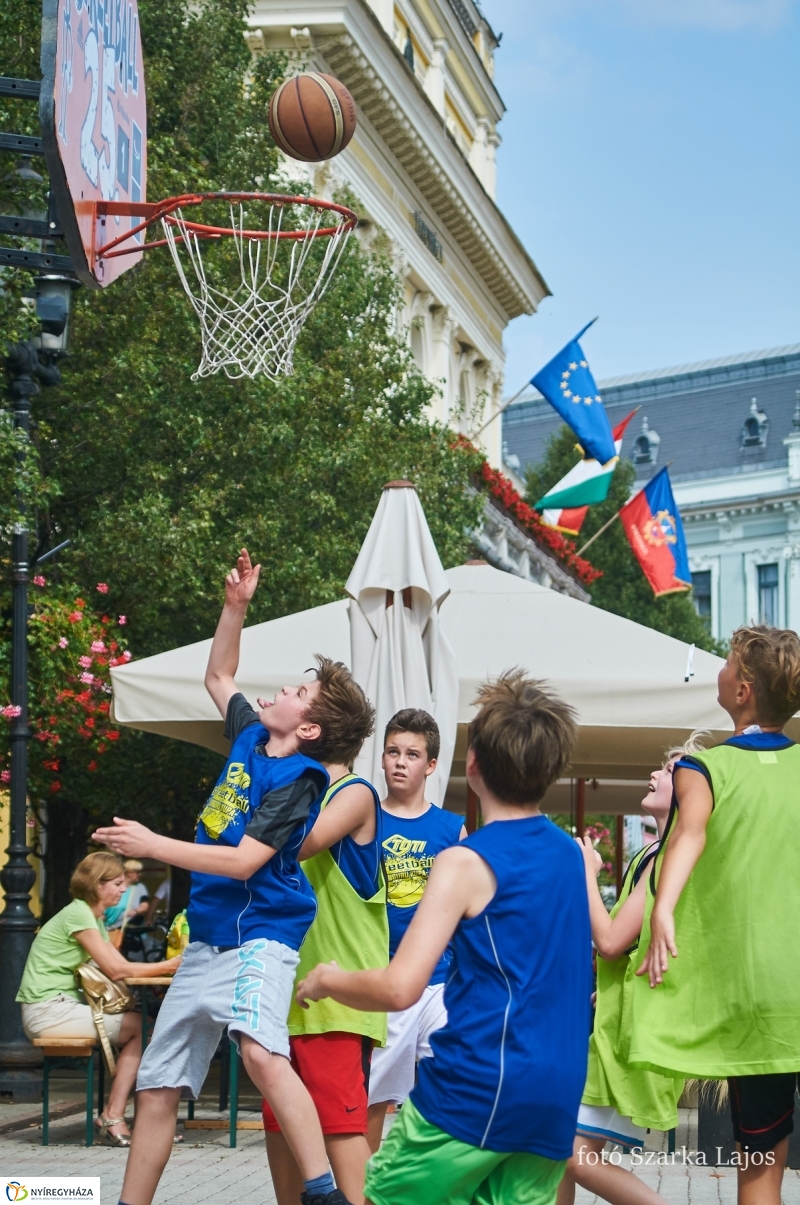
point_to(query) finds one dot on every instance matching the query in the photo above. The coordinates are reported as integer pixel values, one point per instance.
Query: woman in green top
(52, 1005)
(620, 1104)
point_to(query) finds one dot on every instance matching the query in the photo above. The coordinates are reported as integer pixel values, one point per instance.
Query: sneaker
(336, 1197)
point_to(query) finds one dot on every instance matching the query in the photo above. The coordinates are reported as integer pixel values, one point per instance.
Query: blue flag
(570, 388)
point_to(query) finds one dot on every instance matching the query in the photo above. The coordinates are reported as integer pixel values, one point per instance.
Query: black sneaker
(336, 1197)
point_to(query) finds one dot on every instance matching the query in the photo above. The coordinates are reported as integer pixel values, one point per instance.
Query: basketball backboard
(94, 125)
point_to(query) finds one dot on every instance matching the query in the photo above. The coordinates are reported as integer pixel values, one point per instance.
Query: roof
(697, 410)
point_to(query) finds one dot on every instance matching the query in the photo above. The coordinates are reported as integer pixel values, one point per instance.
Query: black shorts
(762, 1109)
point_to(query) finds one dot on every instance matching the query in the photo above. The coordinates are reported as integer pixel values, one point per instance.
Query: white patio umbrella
(627, 682)
(399, 652)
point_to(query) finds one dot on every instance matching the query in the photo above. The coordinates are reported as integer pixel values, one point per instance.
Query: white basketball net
(253, 329)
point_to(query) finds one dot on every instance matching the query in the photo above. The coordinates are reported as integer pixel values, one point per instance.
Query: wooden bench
(67, 1053)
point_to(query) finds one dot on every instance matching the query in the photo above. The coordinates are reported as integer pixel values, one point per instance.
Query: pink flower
(126, 656)
(102, 588)
(98, 646)
(63, 642)
(39, 580)
(123, 619)
(5, 776)
(85, 662)
(11, 712)
(87, 678)
(75, 617)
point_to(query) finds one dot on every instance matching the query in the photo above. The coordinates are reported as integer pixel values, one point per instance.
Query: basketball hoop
(249, 322)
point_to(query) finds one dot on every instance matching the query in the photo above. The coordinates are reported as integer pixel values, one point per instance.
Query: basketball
(312, 117)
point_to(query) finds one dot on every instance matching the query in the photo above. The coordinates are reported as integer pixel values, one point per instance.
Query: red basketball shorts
(335, 1069)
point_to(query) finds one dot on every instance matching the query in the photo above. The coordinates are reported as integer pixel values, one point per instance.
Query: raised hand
(241, 582)
(591, 858)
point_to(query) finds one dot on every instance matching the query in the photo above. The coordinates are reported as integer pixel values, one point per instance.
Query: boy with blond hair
(727, 900)
(493, 1114)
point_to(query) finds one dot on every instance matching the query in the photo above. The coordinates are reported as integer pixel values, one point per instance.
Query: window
(768, 594)
(701, 593)
(645, 448)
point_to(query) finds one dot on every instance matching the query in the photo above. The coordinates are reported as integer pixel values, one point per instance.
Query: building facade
(730, 431)
(422, 168)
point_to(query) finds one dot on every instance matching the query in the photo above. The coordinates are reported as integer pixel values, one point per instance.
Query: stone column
(434, 79)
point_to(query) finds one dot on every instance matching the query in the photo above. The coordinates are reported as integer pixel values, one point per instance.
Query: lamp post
(30, 365)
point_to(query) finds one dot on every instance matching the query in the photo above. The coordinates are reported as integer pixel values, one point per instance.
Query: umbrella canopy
(399, 653)
(625, 681)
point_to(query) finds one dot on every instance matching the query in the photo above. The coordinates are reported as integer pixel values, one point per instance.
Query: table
(143, 982)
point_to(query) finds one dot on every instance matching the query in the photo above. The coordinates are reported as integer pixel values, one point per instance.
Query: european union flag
(569, 386)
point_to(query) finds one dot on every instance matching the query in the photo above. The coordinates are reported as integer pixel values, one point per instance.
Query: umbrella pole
(619, 836)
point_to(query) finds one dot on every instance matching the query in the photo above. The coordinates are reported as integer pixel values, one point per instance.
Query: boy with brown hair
(250, 905)
(493, 1114)
(415, 831)
(728, 900)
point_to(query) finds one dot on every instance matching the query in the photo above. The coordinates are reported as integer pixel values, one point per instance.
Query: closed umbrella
(399, 653)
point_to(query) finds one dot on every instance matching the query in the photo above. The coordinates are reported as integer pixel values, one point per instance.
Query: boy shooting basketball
(493, 1115)
(250, 905)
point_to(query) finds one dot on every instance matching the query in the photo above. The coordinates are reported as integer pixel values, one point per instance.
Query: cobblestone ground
(204, 1168)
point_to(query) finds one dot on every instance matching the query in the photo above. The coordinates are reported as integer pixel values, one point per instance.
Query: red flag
(653, 526)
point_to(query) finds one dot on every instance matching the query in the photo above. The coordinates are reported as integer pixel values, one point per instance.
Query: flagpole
(500, 411)
(606, 526)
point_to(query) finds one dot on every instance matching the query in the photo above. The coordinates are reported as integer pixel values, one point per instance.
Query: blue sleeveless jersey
(277, 902)
(409, 848)
(508, 1069)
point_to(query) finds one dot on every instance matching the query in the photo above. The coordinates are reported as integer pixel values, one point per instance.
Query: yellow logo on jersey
(407, 870)
(226, 801)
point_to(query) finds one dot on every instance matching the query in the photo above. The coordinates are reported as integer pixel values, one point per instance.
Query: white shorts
(247, 990)
(603, 1121)
(65, 1017)
(393, 1070)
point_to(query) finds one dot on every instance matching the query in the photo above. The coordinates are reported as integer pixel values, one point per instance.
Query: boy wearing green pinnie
(720, 940)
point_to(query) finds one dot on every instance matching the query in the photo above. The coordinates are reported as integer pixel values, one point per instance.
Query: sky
(650, 163)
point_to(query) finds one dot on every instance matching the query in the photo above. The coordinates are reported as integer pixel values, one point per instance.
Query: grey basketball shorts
(246, 990)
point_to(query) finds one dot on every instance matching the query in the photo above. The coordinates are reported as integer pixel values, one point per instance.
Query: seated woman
(52, 1005)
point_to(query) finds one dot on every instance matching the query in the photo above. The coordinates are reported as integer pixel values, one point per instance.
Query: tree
(623, 587)
(158, 480)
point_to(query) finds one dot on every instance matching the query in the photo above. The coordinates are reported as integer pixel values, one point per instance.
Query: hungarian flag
(653, 526)
(567, 504)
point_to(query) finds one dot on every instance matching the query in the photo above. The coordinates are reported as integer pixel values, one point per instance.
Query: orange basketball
(312, 117)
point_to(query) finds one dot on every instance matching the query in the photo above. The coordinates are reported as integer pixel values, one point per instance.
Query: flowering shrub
(500, 488)
(71, 650)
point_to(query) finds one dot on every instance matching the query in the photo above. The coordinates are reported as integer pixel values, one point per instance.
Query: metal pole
(18, 1058)
(580, 809)
(619, 852)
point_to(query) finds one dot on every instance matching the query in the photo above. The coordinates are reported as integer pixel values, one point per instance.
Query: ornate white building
(422, 166)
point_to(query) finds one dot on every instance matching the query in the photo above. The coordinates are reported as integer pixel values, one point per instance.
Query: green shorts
(419, 1164)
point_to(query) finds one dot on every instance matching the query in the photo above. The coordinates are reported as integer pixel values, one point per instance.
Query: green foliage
(162, 479)
(623, 587)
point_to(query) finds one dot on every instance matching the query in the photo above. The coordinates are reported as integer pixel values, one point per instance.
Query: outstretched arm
(460, 884)
(611, 936)
(132, 840)
(223, 660)
(686, 843)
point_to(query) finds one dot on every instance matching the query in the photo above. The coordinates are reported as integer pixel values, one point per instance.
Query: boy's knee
(257, 1058)
(158, 1100)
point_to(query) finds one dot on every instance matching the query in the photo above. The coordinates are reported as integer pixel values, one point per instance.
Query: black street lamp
(30, 365)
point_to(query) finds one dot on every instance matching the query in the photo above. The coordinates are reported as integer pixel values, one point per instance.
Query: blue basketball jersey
(277, 902)
(509, 1067)
(409, 848)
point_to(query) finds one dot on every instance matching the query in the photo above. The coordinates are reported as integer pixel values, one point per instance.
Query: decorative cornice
(499, 535)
